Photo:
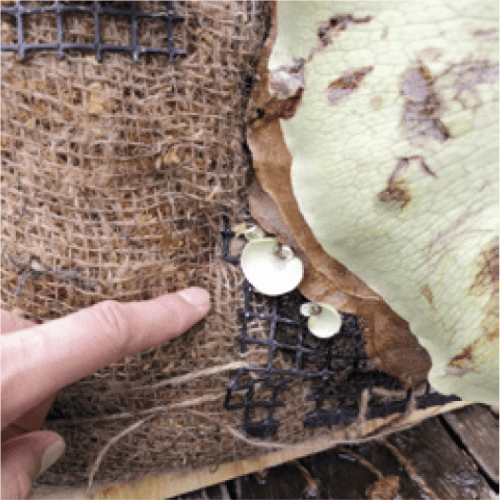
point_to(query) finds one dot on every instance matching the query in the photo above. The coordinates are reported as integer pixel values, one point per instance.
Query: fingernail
(51, 455)
(196, 296)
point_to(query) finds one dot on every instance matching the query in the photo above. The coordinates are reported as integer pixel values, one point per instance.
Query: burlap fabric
(115, 178)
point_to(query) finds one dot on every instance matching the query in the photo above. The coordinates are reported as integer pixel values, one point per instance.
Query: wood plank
(349, 471)
(282, 482)
(336, 476)
(477, 428)
(446, 469)
(424, 460)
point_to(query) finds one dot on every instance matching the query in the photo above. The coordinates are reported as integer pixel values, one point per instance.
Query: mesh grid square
(337, 368)
(97, 10)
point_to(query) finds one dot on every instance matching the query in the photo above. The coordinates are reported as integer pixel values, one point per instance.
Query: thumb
(25, 457)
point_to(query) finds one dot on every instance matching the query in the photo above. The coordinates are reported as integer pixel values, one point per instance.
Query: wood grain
(447, 470)
(425, 460)
(477, 428)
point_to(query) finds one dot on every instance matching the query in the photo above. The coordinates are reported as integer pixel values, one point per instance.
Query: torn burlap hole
(115, 179)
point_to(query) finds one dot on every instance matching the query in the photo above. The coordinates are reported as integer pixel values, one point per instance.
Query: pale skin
(38, 360)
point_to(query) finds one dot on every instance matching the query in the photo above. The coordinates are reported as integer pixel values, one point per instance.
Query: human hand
(38, 360)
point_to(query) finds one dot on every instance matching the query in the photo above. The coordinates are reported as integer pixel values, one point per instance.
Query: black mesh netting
(338, 368)
(63, 43)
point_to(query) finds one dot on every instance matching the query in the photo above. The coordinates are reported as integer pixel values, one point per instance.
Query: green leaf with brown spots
(394, 148)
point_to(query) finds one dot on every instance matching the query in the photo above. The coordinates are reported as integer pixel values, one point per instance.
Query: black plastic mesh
(97, 10)
(337, 368)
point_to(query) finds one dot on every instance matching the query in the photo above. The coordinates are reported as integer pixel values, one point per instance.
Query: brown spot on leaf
(486, 282)
(337, 23)
(429, 296)
(396, 193)
(438, 131)
(465, 77)
(349, 82)
(461, 363)
(416, 83)
(490, 35)
(487, 276)
(422, 108)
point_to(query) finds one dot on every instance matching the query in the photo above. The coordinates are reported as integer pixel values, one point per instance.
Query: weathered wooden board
(426, 459)
(477, 428)
(285, 481)
(447, 470)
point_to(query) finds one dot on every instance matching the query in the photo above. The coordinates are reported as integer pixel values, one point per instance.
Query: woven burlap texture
(115, 178)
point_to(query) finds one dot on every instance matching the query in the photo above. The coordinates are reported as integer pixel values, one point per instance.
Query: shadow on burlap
(115, 178)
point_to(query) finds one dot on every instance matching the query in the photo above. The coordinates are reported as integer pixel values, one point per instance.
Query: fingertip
(177, 313)
(197, 297)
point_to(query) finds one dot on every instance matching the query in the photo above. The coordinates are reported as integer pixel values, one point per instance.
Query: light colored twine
(152, 413)
(351, 432)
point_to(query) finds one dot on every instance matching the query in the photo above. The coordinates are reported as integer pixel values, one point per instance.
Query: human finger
(25, 457)
(10, 322)
(30, 421)
(34, 417)
(38, 361)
